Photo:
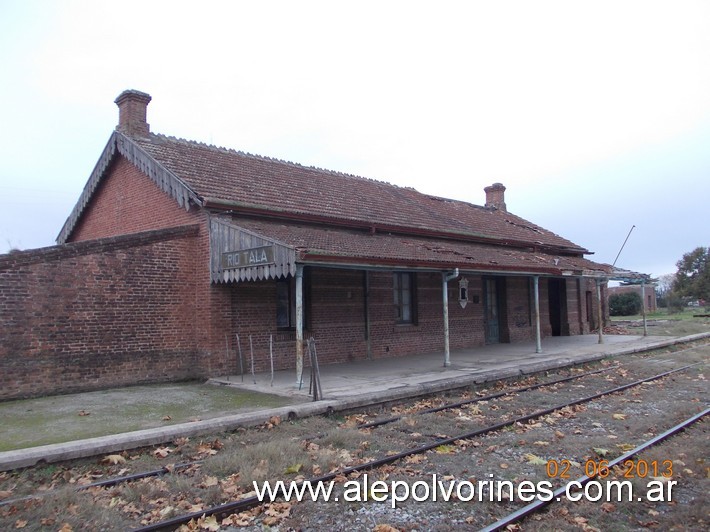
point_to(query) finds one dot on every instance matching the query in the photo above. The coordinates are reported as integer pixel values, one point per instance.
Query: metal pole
(643, 307)
(251, 348)
(600, 313)
(241, 360)
(445, 291)
(622, 245)
(445, 278)
(226, 352)
(536, 291)
(299, 325)
(271, 356)
(368, 325)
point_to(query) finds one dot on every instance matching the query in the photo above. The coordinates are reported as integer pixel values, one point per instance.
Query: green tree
(692, 280)
(625, 304)
(664, 288)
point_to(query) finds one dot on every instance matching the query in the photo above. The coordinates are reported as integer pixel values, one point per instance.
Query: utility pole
(622, 245)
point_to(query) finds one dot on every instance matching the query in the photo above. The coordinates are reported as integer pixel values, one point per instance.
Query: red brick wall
(100, 313)
(127, 201)
(649, 291)
(337, 319)
(520, 311)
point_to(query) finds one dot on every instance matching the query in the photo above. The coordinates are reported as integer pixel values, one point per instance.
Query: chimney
(132, 107)
(495, 197)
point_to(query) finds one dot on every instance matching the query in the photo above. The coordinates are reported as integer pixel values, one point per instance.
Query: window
(405, 301)
(286, 301)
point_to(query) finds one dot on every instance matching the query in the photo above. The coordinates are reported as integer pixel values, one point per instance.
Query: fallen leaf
(600, 451)
(209, 523)
(162, 452)
(504, 466)
(619, 416)
(385, 528)
(84, 413)
(167, 418)
(608, 507)
(445, 449)
(5, 494)
(293, 469)
(559, 434)
(210, 481)
(541, 443)
(113, 459)
(535, 460)
(276, 512)
(626, 447)
(20, 523)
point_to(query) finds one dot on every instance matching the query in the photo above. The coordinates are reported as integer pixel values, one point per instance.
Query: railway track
(176, 468)
(250, 502)
(437, 442)
(583, 480)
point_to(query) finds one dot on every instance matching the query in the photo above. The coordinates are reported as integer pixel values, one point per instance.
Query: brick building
(176, 247)
(647, 293)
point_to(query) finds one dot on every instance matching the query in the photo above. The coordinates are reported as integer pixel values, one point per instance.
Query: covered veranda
(398, 377)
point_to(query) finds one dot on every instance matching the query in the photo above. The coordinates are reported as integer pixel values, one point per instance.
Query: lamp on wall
(463, 292)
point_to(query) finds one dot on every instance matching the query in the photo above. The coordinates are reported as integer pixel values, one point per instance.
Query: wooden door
(492, 311)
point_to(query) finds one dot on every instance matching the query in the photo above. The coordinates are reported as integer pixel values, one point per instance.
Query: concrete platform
(411, 375)
(352, 385)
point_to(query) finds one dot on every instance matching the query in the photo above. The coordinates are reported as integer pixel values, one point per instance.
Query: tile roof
(246, 182)
(319, 244)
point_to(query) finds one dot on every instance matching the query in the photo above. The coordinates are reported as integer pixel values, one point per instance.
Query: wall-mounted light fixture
(463, 292)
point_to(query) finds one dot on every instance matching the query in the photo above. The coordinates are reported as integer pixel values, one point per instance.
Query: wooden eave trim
(277, 214)
(168, 182)
(119, 143)
(92, 183)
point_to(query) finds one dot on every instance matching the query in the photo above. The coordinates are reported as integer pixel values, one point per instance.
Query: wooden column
(299, 324)
(536, 292)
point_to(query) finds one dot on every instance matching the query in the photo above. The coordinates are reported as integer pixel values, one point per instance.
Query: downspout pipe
(445, 278)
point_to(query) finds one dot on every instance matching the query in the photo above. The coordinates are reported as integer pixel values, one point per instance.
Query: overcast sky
(595, 115)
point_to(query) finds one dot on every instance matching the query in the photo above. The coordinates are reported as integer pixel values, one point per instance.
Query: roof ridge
(266, 158)
(454, 200)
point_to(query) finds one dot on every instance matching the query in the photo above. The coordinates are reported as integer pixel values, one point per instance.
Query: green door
(491, 314)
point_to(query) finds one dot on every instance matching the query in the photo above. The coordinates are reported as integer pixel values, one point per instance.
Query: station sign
(248, 258)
